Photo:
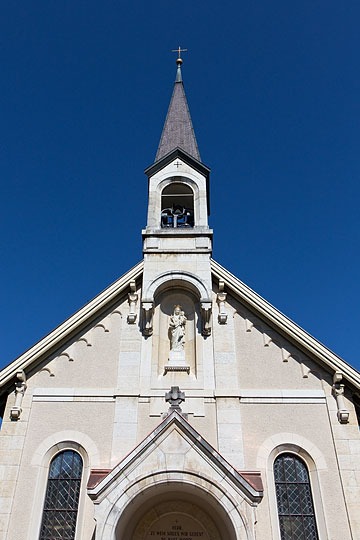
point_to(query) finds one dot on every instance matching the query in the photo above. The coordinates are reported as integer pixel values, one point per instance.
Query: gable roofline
(285, 326)
(254, 301)
(239, 479)
(173, 154)
(64, 331)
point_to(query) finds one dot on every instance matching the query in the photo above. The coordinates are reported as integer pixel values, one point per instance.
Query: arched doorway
(174, 512)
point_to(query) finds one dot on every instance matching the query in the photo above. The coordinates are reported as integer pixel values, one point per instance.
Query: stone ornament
(206, 308)
(20, 387)
(148, 312)
(132, 299)
(175, 397)
(221, 299)
(338, 392)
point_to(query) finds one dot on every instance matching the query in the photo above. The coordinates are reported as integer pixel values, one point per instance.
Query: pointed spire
(178, 130)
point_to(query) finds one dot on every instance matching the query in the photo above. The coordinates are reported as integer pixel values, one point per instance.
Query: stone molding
(187, 279)
(286, 440)
(108, 517)
(56, 442)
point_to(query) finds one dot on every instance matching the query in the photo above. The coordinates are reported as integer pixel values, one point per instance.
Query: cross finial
(179, 51)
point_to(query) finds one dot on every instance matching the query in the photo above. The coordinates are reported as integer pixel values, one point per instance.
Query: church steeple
(178, 184)
(178, 131)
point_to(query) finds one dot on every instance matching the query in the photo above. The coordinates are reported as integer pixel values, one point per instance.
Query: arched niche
(174, 511)
(164, 308)
(185, 281)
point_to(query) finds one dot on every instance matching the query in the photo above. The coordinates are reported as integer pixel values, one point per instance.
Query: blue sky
(273, 89)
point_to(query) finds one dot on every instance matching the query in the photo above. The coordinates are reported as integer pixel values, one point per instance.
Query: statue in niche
(177, 328)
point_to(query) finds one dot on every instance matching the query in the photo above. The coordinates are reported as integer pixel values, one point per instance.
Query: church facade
(178, 403)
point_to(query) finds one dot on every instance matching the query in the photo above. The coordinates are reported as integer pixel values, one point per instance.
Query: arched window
(62, 497)
(294, 499)
(177, 206)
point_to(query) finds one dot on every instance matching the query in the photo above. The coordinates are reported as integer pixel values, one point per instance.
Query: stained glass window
(294, 499)
(62, 497)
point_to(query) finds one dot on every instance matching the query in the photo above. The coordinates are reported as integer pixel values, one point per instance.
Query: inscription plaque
(176, 527)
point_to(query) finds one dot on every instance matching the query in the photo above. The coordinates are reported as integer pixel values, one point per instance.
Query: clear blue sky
(273, 89)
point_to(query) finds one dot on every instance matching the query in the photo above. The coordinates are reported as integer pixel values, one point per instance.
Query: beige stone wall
(90, 359)
(347, 445)
(12, 441)
(90, 425)
(250, 393)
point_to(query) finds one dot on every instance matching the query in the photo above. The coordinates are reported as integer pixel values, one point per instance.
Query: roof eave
(68, 328)
(290, 330)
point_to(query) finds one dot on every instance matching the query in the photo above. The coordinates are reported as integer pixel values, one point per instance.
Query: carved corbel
(132, 298)
(221, 299)
(338, 392)
(206, 308)
(20, 387)
(148, 312)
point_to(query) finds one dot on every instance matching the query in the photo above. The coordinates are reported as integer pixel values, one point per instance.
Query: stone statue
(177, 327)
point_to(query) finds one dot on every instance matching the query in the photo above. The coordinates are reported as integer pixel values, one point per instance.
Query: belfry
(178, 403)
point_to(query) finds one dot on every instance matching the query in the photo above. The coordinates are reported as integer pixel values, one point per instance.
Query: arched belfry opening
(177, 206)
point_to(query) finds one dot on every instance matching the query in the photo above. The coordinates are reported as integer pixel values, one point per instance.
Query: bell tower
(177, 241)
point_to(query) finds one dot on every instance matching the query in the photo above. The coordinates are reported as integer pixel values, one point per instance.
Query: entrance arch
(176, 511)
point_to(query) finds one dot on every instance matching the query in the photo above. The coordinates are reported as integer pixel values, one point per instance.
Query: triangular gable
(285, 326)
(69, 327)
(277, 320)
(249, 483)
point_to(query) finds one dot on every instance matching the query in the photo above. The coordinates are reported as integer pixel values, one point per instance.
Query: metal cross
(178, 163)
(179, 50)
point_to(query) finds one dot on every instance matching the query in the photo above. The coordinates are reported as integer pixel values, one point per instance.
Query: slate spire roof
(178, 131)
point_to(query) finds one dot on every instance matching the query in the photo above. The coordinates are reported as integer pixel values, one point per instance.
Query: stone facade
(255, 387)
